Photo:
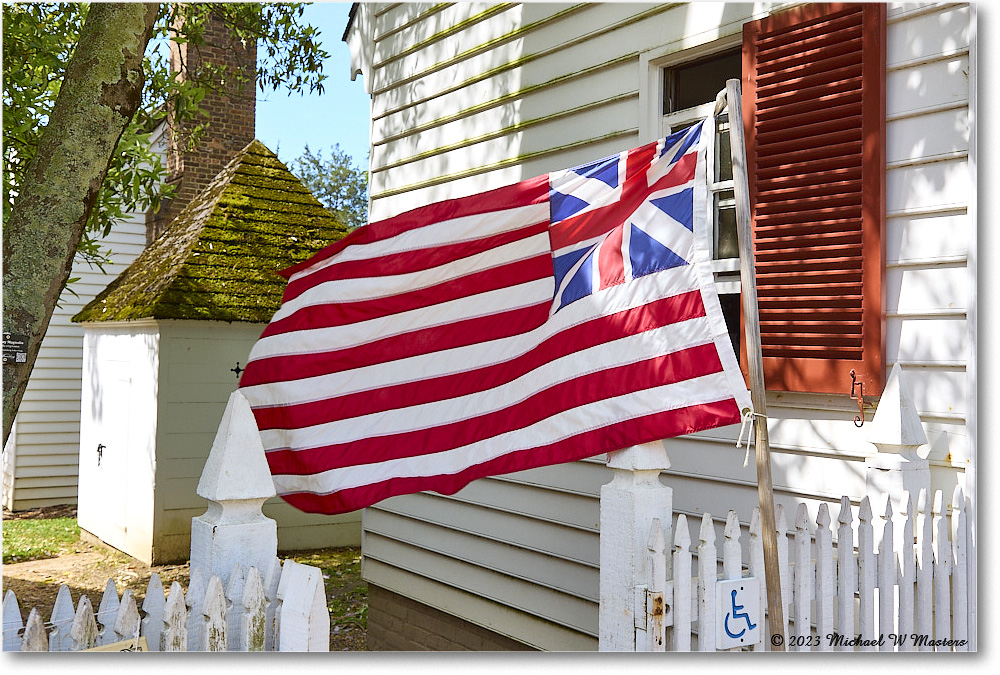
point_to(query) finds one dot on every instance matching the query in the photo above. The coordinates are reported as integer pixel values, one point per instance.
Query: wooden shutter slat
(773, 106)
(811, 115)
(810, 203)
(832, 143)
(852, 151)
(811, 83)
(797, 127)
(837, 224)
(810, 179)
(807, 29)
(832, 267)
(802, 326)
(785, 74)
(805, 162)
(837, 315)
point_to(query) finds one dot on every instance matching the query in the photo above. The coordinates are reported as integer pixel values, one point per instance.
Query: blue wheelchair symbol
(737, 614)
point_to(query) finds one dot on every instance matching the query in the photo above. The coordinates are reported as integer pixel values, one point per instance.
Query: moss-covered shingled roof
(219, 258)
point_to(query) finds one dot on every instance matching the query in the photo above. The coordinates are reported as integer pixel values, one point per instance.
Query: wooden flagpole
(751, 320)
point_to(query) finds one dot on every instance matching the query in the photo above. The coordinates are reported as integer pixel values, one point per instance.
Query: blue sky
(286, 123)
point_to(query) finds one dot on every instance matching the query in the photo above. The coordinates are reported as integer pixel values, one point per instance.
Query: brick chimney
(231, 119)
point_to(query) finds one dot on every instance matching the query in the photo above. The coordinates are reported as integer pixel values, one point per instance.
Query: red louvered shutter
(814, 115)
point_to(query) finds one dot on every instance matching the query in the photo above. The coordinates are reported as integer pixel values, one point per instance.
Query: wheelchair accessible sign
(739, 613)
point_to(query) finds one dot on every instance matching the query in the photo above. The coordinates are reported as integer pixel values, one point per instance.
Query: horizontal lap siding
(492, 131)
(195, 381)
(530, 89)
(48, 420)
(928, 195)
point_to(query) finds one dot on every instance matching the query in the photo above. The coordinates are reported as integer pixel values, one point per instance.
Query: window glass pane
(692, 84)
(726, 238)
(731, 312)
(724, 160)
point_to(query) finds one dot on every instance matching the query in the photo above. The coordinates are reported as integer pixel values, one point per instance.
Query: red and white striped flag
(539, 323)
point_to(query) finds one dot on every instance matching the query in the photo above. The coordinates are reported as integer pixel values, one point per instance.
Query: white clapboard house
(861, 141)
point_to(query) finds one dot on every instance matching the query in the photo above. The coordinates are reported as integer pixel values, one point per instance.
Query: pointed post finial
(236, 478)
(896, 426)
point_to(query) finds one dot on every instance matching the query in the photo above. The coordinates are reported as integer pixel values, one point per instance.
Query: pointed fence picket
(243, 616)
(864, 599)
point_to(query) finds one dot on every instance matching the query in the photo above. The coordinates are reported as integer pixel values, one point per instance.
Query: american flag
(543, 322)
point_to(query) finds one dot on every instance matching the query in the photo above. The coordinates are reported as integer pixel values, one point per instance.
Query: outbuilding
(163, 348)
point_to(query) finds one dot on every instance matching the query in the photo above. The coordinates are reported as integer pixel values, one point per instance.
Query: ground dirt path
(86, 572)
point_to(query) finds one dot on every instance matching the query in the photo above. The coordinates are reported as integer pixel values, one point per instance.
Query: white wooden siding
(525, 89)
(48, 421)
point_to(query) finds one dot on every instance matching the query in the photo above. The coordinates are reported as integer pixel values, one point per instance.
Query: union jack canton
(623, 217)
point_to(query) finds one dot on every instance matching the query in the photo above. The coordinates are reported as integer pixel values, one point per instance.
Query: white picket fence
(909, 594)
(251, 613)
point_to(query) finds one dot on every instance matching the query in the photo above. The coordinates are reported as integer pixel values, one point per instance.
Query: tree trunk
(100, 93)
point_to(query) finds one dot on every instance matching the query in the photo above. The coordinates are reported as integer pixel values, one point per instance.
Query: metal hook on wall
(859, 420)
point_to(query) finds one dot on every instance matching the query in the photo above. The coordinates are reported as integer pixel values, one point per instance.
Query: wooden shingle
(219, 259)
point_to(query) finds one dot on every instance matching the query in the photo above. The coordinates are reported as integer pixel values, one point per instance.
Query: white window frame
(653, 124)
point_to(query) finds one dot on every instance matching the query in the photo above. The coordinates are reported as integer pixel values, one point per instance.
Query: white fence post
(825, 589)
(867, 575)
(942, 572)
(106, 613)
(781, 525)
(272, 577)
(195, 619)
(847, 572)
(960, 569)
(708, 573)
(174, 632)
(127, 619)
(152, 608)
(682, 586)
(254, 626)
(237, 481)
(234, 615)
(657, 583)
(84, 629)
(213, 629)
(907, 576)
(925, 570)
(803, 578)
(34, 638)
(628, 505)
(303, 619)
(62, 619)
(887, 595)
(12, 623)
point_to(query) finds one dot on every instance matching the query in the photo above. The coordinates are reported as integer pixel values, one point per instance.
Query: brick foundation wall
(397, 623)
(231, 120)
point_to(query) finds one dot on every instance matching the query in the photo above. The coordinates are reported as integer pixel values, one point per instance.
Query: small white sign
(739, 612)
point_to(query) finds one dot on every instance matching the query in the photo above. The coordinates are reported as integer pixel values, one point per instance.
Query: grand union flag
(544, 322)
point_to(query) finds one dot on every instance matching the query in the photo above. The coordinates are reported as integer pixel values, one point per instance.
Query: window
(689, 91)
(814, 116)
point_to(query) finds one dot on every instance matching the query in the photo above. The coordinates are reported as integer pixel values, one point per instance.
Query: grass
(346, 593)
(34, 539)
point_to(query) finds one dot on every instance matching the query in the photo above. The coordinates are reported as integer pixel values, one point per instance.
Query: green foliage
(342, 187)
(35, 539)
(38, 40)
